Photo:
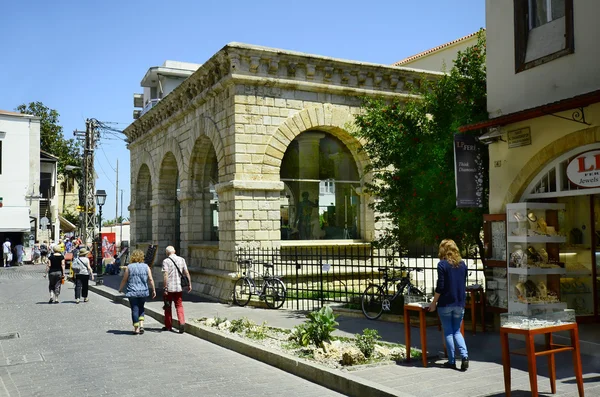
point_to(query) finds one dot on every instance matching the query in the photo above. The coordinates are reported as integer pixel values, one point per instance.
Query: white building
(19, 176)
(159, 81)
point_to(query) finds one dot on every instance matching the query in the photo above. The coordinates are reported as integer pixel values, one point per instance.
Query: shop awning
(14, 219)
(579, 101)
(65, 225)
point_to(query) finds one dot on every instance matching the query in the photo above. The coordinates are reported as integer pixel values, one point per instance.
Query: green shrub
(219, 320)
(366, 341)
(240, 325)
(317, 329)
(257, 331)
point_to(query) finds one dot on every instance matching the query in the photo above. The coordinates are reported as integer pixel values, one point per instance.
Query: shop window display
(320, 199)
(534, 234)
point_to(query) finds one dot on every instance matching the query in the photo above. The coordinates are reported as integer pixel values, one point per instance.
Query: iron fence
(318, 276)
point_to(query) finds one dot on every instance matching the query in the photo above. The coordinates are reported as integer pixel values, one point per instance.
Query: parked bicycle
(272, 290)
(377, 298)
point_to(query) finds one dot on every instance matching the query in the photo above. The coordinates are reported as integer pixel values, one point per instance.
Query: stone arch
(338, 122)
(143, 209)
(202, 204)
(545, 155)
(170, 145)
(167, 210)
(207, 128)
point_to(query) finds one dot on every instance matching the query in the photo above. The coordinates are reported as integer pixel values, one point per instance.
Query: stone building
(255, 149)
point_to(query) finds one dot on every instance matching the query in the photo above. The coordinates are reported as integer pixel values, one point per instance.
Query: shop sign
(520, 137)
(584, 169)
(468, 171)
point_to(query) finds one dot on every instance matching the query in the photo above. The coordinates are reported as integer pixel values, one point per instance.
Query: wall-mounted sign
(584, 169)
(520, 137)
(468, 171)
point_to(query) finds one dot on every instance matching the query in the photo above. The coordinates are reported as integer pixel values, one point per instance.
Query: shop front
(543, 234)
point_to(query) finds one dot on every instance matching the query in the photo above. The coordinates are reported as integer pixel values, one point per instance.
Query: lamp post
(100, 200)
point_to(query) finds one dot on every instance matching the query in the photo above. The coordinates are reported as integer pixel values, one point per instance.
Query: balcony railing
(151, 103)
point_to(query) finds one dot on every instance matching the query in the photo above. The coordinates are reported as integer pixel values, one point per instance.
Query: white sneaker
(77, 301)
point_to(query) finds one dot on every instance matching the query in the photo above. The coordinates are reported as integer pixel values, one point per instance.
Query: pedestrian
(450, 301)
(20, 251)
(137, 278)
(55, 269)
(83, 271)
(173, 268)
(44, 250)
(61, 245)
(68, 245)
(6, 252)
(36, 253)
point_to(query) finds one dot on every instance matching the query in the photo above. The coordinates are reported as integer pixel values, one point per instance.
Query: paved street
(87, 350)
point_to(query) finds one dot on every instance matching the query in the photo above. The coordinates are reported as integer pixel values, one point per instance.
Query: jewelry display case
(542, 320)
(533, 258)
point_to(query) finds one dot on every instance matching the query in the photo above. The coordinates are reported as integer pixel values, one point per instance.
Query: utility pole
(117, 197)
(88, 228)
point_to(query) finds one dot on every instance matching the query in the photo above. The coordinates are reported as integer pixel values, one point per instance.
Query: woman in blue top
(137, 277)
(450, 300)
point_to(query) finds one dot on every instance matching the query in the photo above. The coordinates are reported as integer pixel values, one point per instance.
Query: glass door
(577, 285)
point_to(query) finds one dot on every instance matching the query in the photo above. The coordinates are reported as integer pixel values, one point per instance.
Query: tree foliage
(411, 147)
(52, 139)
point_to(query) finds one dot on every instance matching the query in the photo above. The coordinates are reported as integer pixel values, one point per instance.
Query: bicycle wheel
(275, 293)
(242, 291)
(372, 302)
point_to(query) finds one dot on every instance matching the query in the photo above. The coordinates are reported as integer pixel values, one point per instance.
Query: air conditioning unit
(137, 114)
(138, 100)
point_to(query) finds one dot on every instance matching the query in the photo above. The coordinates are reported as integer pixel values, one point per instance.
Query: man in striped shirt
(172, 267)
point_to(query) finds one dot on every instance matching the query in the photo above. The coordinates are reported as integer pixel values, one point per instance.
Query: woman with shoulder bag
(137, 278)
(83, 272)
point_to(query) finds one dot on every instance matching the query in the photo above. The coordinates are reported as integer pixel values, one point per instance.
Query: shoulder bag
(185, 282)
(77, 266)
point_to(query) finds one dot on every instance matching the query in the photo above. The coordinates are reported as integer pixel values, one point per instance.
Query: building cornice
(253, 65)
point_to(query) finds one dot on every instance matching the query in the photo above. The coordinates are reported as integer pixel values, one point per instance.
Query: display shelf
(576, 273)
(520, 307)
(533, 241)
(535, 271)
(537, 239)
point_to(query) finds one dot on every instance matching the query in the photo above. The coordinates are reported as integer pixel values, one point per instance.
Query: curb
(338, 381)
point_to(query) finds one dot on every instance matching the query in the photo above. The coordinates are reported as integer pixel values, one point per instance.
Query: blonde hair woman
(137, 277)
(450, 301)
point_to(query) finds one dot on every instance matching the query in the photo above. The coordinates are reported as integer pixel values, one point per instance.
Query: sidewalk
(484, 377)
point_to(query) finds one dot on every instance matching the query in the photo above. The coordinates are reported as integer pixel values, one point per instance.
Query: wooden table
(422, 330)
(549, 350)
(473, 305)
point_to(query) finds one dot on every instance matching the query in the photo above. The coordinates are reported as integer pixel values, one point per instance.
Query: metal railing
(149, 105)
(318, 276)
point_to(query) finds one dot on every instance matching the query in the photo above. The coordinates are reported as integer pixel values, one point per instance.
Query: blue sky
(86, 58)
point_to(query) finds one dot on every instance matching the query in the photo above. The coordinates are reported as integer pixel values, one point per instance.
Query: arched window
(320, 199)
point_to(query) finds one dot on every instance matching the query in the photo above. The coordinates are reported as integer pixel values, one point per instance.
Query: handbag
(77, 266)
(185, 282)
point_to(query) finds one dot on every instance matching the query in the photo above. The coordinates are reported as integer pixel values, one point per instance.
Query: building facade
(544, 131)
(255, 149)
(21, 179)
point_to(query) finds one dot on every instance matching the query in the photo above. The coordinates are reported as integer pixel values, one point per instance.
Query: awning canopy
(65, 225)
(14, 219)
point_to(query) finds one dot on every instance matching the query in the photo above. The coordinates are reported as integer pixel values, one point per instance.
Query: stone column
(308, 192)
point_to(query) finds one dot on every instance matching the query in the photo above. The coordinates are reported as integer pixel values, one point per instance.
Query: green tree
(411, 147)
(52, 139)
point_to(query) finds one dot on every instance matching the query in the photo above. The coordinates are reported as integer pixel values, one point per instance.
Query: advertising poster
(109, 246)
(468, 171)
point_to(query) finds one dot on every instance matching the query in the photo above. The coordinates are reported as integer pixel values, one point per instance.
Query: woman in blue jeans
(450, 301)
(137, 277)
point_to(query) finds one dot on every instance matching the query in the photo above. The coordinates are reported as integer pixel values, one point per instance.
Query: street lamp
(100, 200)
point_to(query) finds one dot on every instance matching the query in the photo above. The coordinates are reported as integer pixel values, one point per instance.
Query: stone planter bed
(340, 353)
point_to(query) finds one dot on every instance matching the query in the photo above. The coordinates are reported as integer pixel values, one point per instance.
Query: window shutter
(521, 10)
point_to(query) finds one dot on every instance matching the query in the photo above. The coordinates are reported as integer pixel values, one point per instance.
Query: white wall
(441, 60)
(561, 78)
(16, 155)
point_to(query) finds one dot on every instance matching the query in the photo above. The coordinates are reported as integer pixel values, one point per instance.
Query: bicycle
(377, 298)
(272, 290)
